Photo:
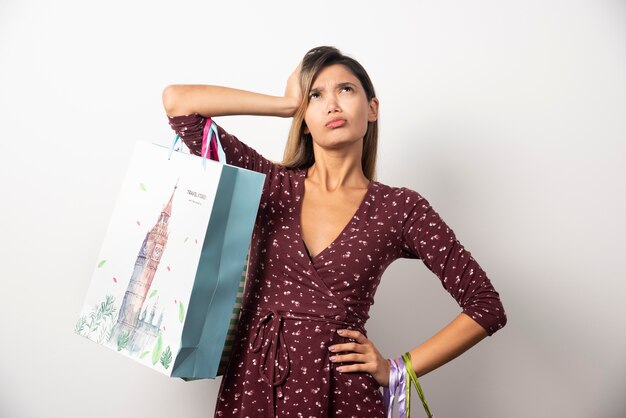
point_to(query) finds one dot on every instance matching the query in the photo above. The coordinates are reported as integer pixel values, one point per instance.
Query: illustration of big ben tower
(132, 327)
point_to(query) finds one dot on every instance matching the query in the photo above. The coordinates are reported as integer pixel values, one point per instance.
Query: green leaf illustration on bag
(181, 312)
(166, 357)
(122, 340)
(156, 353)
(80, 325)
(100, 321)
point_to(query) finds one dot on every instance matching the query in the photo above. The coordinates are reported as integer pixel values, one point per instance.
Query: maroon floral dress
(294, 303)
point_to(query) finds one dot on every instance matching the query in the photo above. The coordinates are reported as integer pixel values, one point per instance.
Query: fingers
(359, 346)
(368, 362)
(360, 351)
(353, 357)
(362, 356)
(298, 68)
(355, 335)
(293, 82)
(360, 362)
(355, 347)
(357, 367)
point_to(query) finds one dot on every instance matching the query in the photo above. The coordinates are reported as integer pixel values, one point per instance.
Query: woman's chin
(339, 143)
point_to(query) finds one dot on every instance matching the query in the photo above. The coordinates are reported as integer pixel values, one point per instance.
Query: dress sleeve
(427, 237)
(190, 129)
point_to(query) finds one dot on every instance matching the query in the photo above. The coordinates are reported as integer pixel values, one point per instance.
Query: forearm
(453, 340)
(213, 101)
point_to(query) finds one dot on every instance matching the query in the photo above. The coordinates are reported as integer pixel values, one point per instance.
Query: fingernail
(333, 358)
(339, 331)
(339, 369)
(331, 348)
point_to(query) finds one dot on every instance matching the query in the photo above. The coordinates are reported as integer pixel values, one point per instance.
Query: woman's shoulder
(397, 193)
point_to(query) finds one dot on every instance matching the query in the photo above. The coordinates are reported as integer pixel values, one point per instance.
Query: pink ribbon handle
(209, 147)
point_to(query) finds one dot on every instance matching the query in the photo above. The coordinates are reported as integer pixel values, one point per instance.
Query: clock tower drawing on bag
(135, 328)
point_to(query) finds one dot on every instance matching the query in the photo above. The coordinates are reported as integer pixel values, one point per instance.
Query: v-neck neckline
(301, 190)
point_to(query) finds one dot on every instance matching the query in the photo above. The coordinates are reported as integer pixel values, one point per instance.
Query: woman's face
(338, 110)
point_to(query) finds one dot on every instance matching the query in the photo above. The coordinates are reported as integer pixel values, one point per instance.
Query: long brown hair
(299, 148)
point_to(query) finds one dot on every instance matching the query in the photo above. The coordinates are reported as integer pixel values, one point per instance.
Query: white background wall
(510, 117)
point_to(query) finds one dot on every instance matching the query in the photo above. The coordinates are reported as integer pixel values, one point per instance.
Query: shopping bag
(231, 334)
(169, 270)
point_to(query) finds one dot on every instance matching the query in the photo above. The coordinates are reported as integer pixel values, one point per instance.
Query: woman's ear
(306, 129)
(372, 116)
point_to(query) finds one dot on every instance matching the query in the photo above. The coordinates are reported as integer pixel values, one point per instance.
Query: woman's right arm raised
(211, 101)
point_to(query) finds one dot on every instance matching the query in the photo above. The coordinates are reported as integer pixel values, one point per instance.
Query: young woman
(325, 232)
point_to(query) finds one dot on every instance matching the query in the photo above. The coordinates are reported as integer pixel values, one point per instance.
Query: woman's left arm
(427, 237)
(450, 342)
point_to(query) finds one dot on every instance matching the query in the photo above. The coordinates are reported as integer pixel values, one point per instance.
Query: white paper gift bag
(168, 272)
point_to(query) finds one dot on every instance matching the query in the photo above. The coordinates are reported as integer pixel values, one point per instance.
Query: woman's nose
(333, 106)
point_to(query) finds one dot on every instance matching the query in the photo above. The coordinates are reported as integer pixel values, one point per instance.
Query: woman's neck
(338, 169)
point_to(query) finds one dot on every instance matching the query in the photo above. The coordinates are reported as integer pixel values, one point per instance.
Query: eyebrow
(338, 85)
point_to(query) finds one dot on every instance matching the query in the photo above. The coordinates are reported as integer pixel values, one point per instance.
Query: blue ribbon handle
(169, 155)
(220, 151)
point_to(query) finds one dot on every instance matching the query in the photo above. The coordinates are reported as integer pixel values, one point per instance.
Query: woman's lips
(335, 123)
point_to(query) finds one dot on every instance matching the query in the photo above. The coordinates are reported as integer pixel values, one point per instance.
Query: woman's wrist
(289, 106)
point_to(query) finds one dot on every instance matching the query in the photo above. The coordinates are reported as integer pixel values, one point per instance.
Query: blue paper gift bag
(166, 278)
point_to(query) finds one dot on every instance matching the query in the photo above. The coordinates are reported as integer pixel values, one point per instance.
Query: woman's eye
(314, 95)
(347, 88)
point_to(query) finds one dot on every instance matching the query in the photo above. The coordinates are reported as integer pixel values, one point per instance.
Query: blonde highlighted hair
(299, 149)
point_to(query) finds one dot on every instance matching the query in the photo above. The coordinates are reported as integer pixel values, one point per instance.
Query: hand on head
(293, 89)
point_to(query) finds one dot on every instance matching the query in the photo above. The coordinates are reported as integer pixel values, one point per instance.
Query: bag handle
(401, 378)
(412, 378)
(210, 149)
(211, 146)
